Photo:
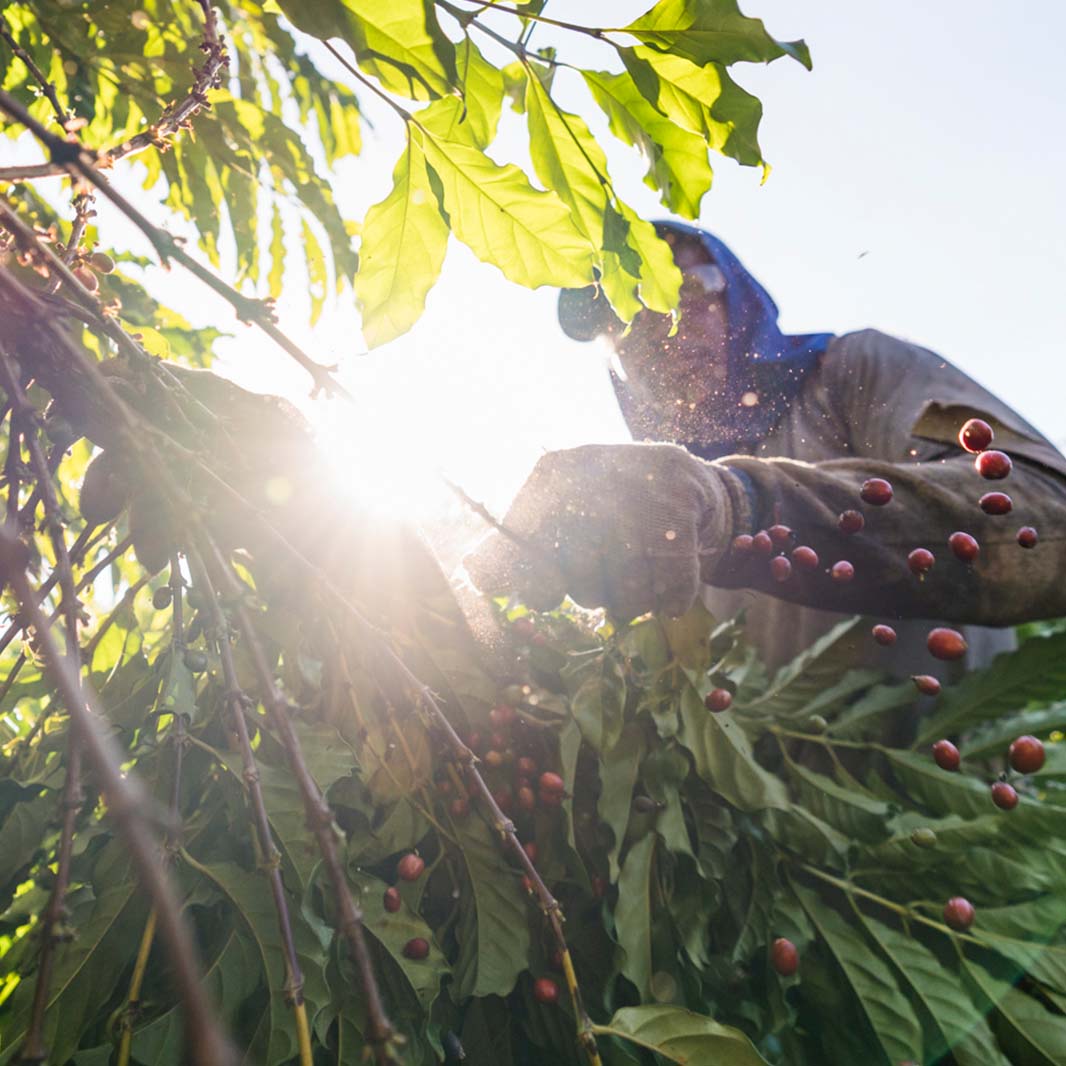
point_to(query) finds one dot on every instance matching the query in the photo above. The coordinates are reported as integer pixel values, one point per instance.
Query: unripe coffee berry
(545, 990)
(946, 644)
(946, 755)
(195, 660)
(805, 558)
(1027, 537)
(851, 522)
(410, 867)
(975, 435)
(921, 561)
(784, 957)
(1026, 755)
(780, 569)
(742, 544)
(842, 572)
(995, 503)
(718, 699)
(959, 913)
(885, 635)
(876, 491)
(964, 546)
(926, 684)
(993, 465)
(924, 837)
(1004, 796)
(161, 598)
(101, 263)
(87, 278)
(393, 902)
(780, 535)
(417, 948)
(762, 544)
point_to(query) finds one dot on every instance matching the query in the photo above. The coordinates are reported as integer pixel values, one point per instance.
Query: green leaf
(317, 277)
(712, 31)
(618, 776)
(471, 118)
(683, 1037)
(853, 813)
(597, 689)
(277, 253)
(493, 209)
(25, 831)
(404, 242)
(632, 913)
(178, 694)
(887, 1009)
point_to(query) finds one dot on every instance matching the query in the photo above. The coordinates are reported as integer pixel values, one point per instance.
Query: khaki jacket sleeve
(902, 407)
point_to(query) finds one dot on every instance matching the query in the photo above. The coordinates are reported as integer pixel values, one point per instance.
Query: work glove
(632, 527)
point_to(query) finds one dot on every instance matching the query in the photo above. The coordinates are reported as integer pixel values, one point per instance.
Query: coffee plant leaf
(24, 831)
(633, 913)
(846, 809)
(597, 690)
(619, 769)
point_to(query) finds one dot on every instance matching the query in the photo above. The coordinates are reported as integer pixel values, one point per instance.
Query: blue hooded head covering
(765, 366)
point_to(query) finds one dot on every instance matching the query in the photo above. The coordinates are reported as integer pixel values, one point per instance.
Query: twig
(83, 210)
(47, 87)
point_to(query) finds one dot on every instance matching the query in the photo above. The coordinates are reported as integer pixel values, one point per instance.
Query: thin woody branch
(37, 74)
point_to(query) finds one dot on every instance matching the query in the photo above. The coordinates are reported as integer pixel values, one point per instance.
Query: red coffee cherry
(410, 867)
(921, 561)
(416, 948)
(851, 522)
(526, 766)
(1027, 537)
(842, 572)
(964, 546)
(530, 848)
(504, 799)
(1026, 755)
(975, 435)
(876, 491)
(545, 990)
(1004, 796)
(718, 699)
(946, 755)
(995, 503)
(959, 913)
(524, 628)
(460, 807)
(475, 742)
(494, 758)
(761, 543)
(527, 885)
(780, 568)
(551, 782)
(926, 684)
(393, 902)
(502, 715)
(805, 558)
(526, 799)
(885, 635)
(993, 465)
(780, 535)
(946, 644)
(784, 957)
(742, 544)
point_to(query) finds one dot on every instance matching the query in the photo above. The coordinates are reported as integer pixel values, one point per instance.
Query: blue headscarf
(763, 363)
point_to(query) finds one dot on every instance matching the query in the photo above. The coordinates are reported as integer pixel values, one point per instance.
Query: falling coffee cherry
(964, 546)
(842, 572)
(975, 435)
(1027, 537)
(784, 957)
(780, 569)
(410, 867)
(876, 491)
(993, 465)
(417, 948)
(885, 635)
(805, 558)
(1026, 755)
(926, 684)
(762, 544)
(393, 902)
(921, 561)
(851, 522)
(946, 755)
(959, 913)
(545, 990)
(995, 503)
(946, 644)
(718, 699)
(1004, 796)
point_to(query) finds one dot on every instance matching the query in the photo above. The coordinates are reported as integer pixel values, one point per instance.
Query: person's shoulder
(872, 343)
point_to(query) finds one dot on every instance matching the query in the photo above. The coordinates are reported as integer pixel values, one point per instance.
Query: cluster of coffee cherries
(410, 868)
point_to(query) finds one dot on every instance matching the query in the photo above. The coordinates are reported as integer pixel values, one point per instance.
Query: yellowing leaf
(316, 271)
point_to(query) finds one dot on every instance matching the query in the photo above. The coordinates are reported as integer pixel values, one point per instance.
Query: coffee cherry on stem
(417, 948)
(551, 782)
(87, 278)
(946, 644)
(876, 491)
(885, 635)
(524, 628)
(964, 546)
(993, 465)
(784, 957)
(851, 522)
(959, 913)
(101, 263)
(924, 837)
(805, 558)
(1026, 755)
(195, 660)
(946, 755)
(1004, 796)
(718, 699)
(545, 990)
(526, 798)
(161, 598)
(780, 535)
(842, 572)
(921, 561)
(780, 569)
(410, 867)
(761, 543)
(995, 503)
(494, 758)
(526, 766)
(502, 716)
(975, 435)
(926, 684)
(742, 544)
(393, 902)
(1027, 537)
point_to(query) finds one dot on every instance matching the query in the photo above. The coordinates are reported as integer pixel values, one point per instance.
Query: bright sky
(916, 188)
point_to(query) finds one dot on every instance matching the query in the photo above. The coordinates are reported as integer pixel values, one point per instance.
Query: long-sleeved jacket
(876, 406)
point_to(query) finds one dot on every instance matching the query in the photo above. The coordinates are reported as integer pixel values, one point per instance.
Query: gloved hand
(633, 527)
